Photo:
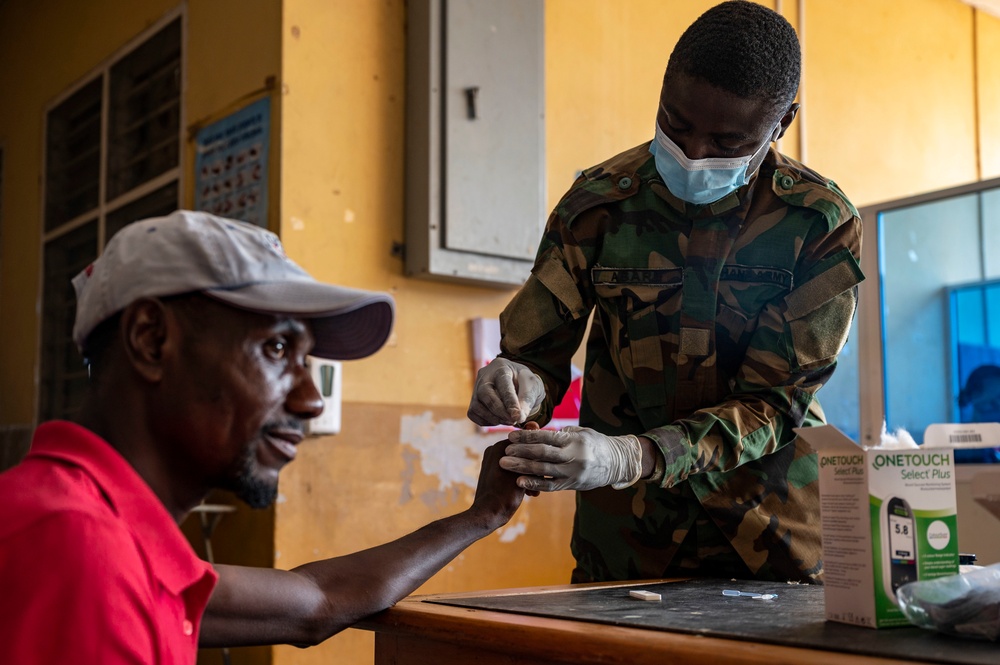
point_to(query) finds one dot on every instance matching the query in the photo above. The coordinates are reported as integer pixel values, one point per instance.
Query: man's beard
(255, 491)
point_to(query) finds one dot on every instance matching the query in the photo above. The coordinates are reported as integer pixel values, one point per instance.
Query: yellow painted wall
(233, 58)
(988, 75)
(890, 95)
(604, 62)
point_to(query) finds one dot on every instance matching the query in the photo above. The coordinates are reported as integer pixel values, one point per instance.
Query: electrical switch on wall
(326, 374)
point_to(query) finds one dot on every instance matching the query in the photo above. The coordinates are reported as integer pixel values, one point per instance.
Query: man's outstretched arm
(308, 604)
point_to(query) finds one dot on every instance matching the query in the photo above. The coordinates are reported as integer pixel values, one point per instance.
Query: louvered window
(112, 156)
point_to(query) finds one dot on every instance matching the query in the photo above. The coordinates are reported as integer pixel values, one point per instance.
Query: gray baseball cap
(236, 263)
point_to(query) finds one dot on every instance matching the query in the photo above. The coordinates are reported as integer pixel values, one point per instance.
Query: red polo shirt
(93, 569)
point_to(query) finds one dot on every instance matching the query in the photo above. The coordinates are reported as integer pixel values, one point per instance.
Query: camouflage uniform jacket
(713, 328)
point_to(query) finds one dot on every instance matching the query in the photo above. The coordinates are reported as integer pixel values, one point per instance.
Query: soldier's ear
(786, 120)
(145, 333)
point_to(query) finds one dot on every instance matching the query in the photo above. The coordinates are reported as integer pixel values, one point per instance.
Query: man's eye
(675, 129)
(276, 348)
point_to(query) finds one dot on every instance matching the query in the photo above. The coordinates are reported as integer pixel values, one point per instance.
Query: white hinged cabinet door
(476, 139)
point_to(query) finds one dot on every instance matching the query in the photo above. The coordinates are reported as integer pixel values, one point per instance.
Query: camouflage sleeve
(544, 323)
(791, 353)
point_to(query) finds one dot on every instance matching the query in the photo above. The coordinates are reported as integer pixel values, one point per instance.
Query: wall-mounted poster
(231, 164)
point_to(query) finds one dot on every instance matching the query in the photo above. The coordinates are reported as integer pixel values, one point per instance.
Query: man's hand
(497, 494)
(575, 458)
(506, 393)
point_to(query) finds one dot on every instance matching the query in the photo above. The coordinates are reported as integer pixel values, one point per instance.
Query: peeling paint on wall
(409, 468)
(509, 533)
(450, 450)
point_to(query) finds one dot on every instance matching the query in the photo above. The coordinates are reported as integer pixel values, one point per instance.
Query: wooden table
(421, 631)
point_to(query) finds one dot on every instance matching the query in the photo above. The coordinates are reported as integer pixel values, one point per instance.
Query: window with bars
(112, 156)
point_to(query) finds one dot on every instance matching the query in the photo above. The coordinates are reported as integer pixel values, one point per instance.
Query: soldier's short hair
(743, 48)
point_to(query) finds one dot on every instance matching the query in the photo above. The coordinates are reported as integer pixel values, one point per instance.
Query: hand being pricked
(531, 426)
(577, 458)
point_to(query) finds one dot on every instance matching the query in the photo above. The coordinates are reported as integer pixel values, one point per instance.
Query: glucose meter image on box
(899, 545)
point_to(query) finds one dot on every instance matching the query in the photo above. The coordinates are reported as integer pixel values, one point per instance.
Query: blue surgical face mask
(702, 181)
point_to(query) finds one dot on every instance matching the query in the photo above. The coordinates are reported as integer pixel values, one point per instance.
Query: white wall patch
(450, 450)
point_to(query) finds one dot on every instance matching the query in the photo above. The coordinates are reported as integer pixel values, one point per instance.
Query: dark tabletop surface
(794, 618)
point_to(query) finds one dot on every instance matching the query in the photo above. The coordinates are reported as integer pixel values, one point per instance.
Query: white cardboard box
(887, 517)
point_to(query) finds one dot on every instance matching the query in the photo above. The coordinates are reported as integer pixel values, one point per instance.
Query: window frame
(871, 352)
(105, 207)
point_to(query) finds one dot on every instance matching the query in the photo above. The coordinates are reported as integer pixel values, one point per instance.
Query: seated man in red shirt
(196, 331)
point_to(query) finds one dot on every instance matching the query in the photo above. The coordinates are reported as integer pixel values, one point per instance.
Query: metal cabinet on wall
(475, 187)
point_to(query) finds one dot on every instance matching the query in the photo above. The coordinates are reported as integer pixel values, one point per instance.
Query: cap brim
(347, 324)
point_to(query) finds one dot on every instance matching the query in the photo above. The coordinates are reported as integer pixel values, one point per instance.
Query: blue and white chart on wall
(231, 164)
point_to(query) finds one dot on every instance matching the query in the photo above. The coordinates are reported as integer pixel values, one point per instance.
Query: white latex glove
(506, 393)
(574, 458)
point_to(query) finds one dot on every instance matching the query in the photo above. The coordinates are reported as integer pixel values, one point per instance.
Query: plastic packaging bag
(966, 605)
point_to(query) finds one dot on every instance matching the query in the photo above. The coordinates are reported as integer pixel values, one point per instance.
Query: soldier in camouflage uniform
(719, 307)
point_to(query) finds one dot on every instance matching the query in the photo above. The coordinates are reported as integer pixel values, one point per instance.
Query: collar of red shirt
(173, 560)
